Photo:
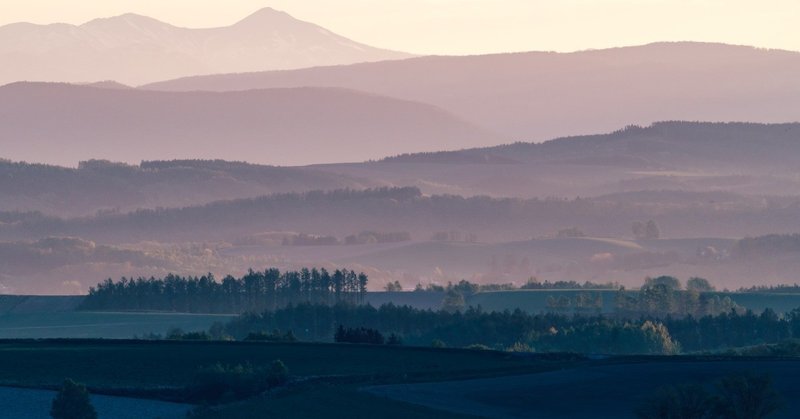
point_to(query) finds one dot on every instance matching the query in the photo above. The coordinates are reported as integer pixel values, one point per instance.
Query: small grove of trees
(275, 336)
(372, 237)
(737, 396)
(765, 246)
(395, 286)
(358, 335)
(453, 301)
(467, 288)
(645, 230)
(464, 287)
(659, 297)
(72, 402)
(571, 232)
(780, 289)
(696, 284)
(364, 335)
(222, 383)
(365, 237)
(255, 291)
(176, 333)
(609, 337)
(663, 296)
(535, 284)
(309, 240)
(583, 302)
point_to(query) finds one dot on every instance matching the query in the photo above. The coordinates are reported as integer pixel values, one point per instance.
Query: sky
(470, 26)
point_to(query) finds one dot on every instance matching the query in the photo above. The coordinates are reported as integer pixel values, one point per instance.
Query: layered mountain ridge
(134, 49)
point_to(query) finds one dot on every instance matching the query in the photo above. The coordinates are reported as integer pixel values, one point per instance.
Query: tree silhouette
(748, 396)
(255, 291)
(72, 402)
(738, 396)
(278, 373)
(645, 231)
(699, 285)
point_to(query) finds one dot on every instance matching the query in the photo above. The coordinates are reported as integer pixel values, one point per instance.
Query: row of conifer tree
(256, 291)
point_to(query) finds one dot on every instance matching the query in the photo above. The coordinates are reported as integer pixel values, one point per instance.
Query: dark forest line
(256, 291)
(525, 332)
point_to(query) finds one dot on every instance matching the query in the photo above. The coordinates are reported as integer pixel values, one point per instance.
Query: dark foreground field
(124, 364)
(589, 391)
(363, 381)
(325, 377)
(24, 403)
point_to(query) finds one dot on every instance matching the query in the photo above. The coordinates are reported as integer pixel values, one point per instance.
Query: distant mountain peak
(265, 14)
(127, 18)
(135, 49)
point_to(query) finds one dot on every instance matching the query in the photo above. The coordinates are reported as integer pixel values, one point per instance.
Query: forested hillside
(657, 163)
(343, 212)
(100, 185)
(673, 145)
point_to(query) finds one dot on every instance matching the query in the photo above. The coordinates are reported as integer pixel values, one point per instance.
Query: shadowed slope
(63, 124)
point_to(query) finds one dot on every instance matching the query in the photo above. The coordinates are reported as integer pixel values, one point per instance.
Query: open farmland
(81, 324)
(174, 363)
(604, 391)
(23, 403)
(363, 381)
(326, 377)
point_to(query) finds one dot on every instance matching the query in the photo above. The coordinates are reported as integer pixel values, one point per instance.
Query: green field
(81, 324)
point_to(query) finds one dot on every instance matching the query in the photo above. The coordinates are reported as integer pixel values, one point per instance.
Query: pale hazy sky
(470, 26)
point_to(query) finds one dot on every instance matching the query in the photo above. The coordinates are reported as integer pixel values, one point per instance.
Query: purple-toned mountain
(136, 49)
(536, 96)
(64, 124)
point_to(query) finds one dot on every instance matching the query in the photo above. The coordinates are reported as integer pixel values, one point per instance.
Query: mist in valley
(269, 218)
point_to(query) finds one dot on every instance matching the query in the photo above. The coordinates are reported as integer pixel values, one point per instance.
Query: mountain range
(536, 96)
(64, 124)
(134, 49)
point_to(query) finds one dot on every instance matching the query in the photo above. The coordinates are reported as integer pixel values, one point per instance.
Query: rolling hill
(344, 212)
(64, 124)
(745, 158)
(537, 96)
(99, 185)
(666, 164)
(670, 145)
(135, 49)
